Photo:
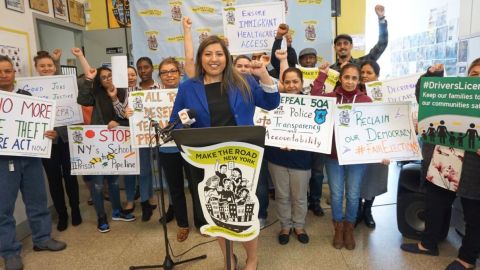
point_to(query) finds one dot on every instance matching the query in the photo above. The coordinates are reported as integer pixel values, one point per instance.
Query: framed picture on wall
(76, 12)
(60, 9)
(118, 13)
(17, 5)
(40, 5)
(16, 45)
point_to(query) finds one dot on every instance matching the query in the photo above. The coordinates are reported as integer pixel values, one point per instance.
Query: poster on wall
(17, 5)
(98, 150)
(61, 88)
(369, 133)
(23, 122)
(16, 45)
(76, 12)
(227, 192)
(118, 13)
(60, 9)
(40, 5)
(300, 122)
(252, 28)
(449, 112)
(149, 105)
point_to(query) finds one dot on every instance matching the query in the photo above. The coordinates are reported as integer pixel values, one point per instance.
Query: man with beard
(343, 44)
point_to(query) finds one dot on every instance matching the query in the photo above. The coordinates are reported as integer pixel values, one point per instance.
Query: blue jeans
(346, 178)
(27, 176)
(130, 181)
(97, 193)
(262, 190)
(146, 185)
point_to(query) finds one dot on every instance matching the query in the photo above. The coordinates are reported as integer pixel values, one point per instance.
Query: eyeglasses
(169, 72)
(106, 78)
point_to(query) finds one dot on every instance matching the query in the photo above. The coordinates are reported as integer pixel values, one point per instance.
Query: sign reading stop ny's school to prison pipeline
(98, 150)
(450, 112)
(300, 122)
(23, 121)
(369, 133)
(156, 105)
(252, 28)
(61, 88)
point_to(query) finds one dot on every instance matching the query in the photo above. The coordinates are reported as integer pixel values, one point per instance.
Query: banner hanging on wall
(369, 133)
(61, 88)
(300, 122)
(23, 121)
(449, 112)
(149, 105)
(97, 150)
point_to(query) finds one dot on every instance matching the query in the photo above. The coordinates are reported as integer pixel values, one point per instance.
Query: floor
(141, 243)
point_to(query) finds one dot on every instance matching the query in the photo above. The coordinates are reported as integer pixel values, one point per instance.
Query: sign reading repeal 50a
(300, 122)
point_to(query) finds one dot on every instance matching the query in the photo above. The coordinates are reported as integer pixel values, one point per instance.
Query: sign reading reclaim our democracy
(450, 112)
(300, 122)
(61, 88)
(395, 90)
(98, 150)
(23, 121)
(252, 28)
(310, 74)
(227, 193)
(369, 133)
(156, 105)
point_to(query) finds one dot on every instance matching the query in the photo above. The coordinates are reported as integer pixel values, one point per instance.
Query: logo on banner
(310, 32)
(377, 93)
(152, 41)
(320, 116)
(137, 104)
(344, 115)
(230, 15)
(176, 13)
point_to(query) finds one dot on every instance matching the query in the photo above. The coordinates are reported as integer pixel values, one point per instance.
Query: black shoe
(413, 248)
(169, 215)
(62, 224)
(129, 211)
(76, 217)
(50, 245)
(146, 211)
(302, 237)
(283, 239)
(367, 214)
(456, 265)
(317, 210)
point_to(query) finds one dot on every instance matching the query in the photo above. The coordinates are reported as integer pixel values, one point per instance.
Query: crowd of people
(209, 85)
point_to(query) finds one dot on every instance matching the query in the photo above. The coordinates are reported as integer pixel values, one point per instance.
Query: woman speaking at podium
(221, 96)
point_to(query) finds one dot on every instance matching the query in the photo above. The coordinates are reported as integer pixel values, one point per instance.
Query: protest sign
(149, 105)
(449, 112)
(310, 74)
(61, 88)
(300, 122)
(97, 150)
(252, 28)
(369, 133)
(23, 121)
(395, 90)
(227, 192)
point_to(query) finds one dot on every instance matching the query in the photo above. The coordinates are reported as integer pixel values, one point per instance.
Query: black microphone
(185, 116)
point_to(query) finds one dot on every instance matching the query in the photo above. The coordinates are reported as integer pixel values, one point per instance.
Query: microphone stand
(168, 263)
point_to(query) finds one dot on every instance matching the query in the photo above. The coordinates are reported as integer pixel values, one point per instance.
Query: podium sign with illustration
(449, 112)
(98, 150)
(61, 88)
(227, 192)
(300, 122)
(149, 105)
(369, 133)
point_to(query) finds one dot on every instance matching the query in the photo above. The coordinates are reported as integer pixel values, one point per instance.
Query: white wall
(96, 42)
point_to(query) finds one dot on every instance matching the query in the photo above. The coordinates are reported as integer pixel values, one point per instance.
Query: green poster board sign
(449, 112)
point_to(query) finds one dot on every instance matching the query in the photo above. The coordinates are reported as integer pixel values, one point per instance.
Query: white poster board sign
(369, 133)
(97, 150)
(252, 28)
(61, 88)
(300, 122)
(156, 105)
(227, 192)
(395, 90)
(23, 121)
